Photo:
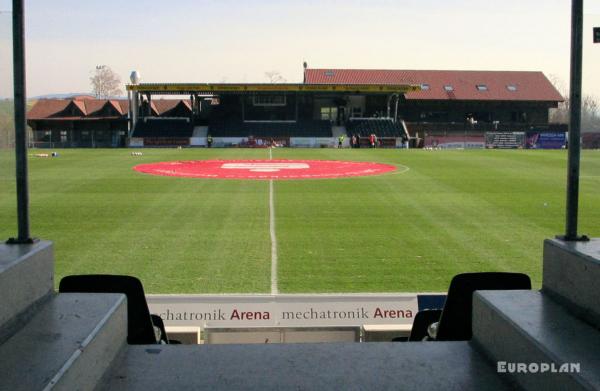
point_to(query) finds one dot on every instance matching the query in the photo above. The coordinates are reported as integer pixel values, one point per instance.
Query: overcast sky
(238, 41)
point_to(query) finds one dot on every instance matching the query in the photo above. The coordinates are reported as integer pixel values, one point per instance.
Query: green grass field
(451, 212)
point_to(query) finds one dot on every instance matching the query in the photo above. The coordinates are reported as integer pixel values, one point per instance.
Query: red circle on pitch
(264, 169)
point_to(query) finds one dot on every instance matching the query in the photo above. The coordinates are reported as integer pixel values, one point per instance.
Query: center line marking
(274, 287)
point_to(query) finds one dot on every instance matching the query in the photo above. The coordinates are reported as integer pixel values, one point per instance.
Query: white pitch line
(274, 287)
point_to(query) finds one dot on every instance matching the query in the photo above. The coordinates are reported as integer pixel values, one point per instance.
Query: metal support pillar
(574, 152)
(18, 22)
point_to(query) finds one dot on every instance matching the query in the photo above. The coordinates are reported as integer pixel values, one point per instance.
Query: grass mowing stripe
(274, 284)
(453, 211)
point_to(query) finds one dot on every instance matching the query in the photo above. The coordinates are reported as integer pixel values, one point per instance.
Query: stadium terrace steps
(572, 276)
(164, 127)
(67, 345)
(238, 128)
(341, 366)
(63, 341)
(383, 127)
(529, 327)
(26, 280)
(78, 341)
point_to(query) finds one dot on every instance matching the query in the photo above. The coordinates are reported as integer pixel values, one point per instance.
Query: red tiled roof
(162, 106)
(83, 97)
(93, 105)
(44, 108)
(187, 103)
(121, 105)
(52, 108)
(530, 86)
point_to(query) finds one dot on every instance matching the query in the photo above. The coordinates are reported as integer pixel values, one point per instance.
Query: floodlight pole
(574, 152)
(20, 124)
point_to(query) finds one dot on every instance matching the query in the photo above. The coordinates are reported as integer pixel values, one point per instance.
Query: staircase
(559, 325)
(53, 341)
(77, 341)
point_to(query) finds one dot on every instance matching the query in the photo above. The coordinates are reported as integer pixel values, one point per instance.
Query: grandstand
(395, 105)
(300, 128)
(382, 127)
(164, 127)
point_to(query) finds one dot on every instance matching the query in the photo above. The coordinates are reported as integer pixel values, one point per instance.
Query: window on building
(268, 100)
(63, 136)
(482, 87)
(329, 113)
(434, 115)
(518, 116)
(357, 112)
(329, 73)
(511, 87)
(448, 88)
(425, 87)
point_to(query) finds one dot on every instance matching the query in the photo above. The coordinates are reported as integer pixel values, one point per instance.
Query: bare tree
(590, 113)
(560, 114)
(105, 82)
(275, 77)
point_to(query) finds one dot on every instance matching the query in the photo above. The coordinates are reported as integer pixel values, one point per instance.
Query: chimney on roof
(305, 64)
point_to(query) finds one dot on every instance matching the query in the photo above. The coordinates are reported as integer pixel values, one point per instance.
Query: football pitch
(441, 213)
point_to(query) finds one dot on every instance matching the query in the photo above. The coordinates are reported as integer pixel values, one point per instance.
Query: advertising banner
(552, 140)
(505, 140)
(455, 142)
(590, 140)
(283, 310)
(136, 142)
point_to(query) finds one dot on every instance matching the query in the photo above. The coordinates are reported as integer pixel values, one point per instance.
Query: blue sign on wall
(549, 140)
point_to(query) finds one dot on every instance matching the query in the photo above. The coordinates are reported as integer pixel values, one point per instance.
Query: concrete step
(26, 279)
(571, 275)
(529, 327)
(67, 344)
(330, 366)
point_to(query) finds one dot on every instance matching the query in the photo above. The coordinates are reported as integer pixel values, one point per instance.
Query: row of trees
(7, 125)
(590, 108)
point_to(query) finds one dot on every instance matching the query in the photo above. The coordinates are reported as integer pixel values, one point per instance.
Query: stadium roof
(86, 108)
(237, 88)
(448, 85)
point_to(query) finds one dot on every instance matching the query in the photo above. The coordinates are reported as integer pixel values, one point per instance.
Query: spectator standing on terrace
(353, 141)
(372, 140)
(340, 140)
